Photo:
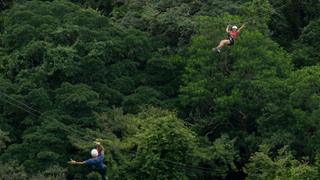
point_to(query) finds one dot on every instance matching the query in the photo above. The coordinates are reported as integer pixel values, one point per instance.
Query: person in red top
(232, 37)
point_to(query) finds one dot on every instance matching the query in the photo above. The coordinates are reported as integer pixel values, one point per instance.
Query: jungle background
(141, 76)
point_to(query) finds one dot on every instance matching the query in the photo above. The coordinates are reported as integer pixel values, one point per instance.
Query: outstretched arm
(227, 29)
(81, 163)
(74, 162)
(102, 149)
(244, 25)
(98, 144)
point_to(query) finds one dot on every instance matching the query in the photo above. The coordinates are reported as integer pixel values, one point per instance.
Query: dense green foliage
(284, 166)
(141, 76)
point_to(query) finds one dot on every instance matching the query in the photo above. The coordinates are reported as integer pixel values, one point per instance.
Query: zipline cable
(31, 108)
(160, 159)
(187, 165)
(263, 15)
(174, 163)
(36, 115)
(243, 20)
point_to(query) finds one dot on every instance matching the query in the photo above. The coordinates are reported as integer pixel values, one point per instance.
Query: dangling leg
(222, 43)
(103, 173)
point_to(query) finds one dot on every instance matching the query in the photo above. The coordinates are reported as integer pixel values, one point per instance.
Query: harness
(98, 148)
(231, 38)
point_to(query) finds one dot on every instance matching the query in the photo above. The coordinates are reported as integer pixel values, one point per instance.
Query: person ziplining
(232, 37)
(96, 161)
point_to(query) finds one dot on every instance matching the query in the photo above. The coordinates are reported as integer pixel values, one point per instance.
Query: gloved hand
(96, 143)
(72, 162)
(229, 25)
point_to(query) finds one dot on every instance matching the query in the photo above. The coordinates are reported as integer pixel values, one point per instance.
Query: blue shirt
(97, 164)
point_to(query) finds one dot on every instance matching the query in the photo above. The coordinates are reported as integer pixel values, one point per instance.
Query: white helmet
(94, 153)
(234, 27)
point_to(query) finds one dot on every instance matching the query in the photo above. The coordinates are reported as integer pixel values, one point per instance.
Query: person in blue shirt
(96, 161)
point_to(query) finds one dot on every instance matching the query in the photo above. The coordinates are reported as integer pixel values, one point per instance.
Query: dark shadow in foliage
(307, 49)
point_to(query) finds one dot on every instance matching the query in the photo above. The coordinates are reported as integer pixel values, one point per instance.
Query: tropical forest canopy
(141, 76)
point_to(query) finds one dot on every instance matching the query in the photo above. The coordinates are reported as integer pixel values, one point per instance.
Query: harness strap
(231, 38)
